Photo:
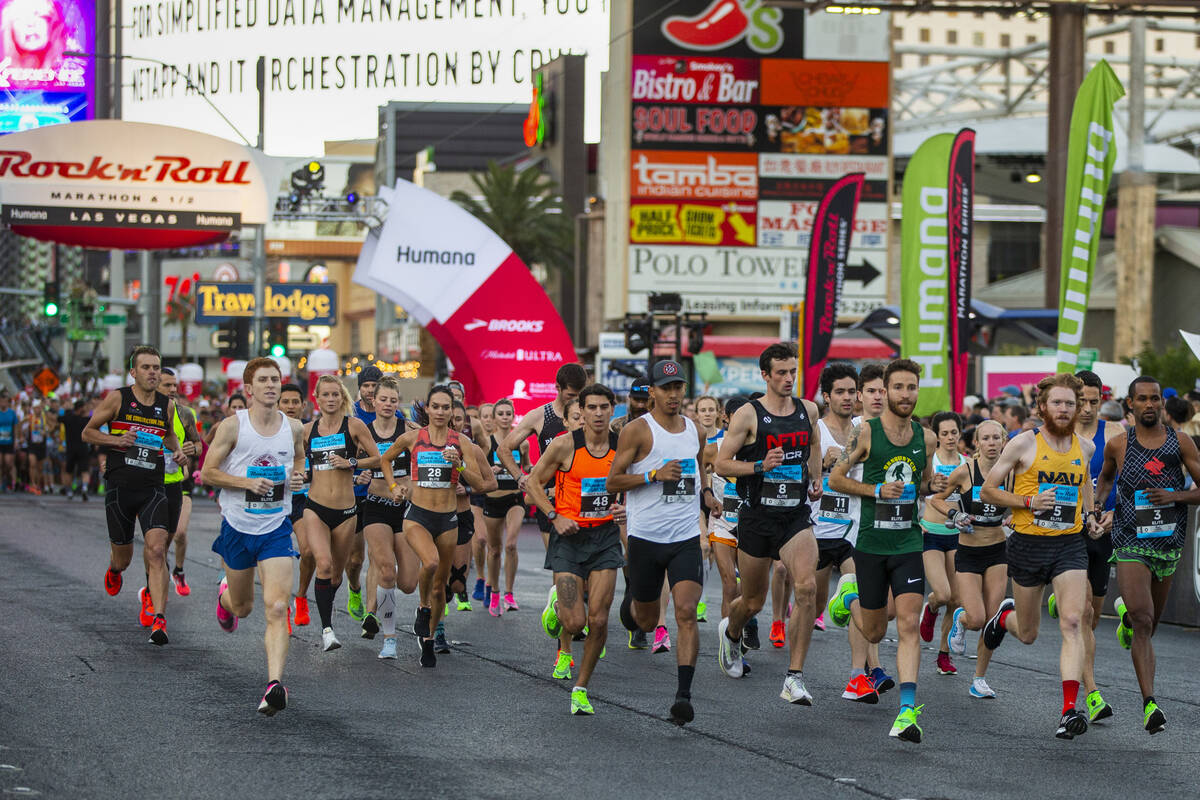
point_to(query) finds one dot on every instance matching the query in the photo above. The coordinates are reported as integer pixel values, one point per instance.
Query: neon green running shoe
(1124, 632)
(464, 602)
(1052, 606)
(905, 727)
(354, 605)
(1154, 720)
(1097, 708)
(562, 667)
(839, 607)
(579, 702)
(550, 622)
(701, 611)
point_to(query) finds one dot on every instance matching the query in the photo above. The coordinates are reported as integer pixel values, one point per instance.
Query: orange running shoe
(861, 690)
(146, 614)
(113, 582)
(778, 633)
(158, 632)
(302, 617)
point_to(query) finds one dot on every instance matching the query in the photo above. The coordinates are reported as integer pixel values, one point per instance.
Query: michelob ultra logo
(299, 303)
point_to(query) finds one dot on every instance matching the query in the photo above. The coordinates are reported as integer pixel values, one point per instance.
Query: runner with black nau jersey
(584, 553)
(660, 465)
(138, 418)
(1148, 528)
(773, 450)
(257, 461)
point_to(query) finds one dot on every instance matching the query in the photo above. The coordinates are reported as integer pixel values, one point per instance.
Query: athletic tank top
(888, 526)
(1139, 523)
(947, 469)
(319, 449)
(400, 462)
(731, 504)
(1062, 472)
(172, 472)
(430, 468)
(779, 491)
(8, 423)
(1110, 502)
(37, 428)
(505, 482)
(142, 463)
(986, 515)
(835, 515)
(258, 456)
(552, 427)
(581, 492)
(667, 511)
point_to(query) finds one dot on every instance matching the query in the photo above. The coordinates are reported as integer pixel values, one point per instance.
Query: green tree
(181, 308)
(525, 210)
(1174, 367)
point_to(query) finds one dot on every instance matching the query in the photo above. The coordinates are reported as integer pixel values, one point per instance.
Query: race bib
(896, 514)
(169, 463)
(1061, 515)
(6, 434)
(835, 506)
(325, 446)
(504, 479)
(147, 448)
(594, 498)
(398, 468)
(433, 470)
(307, 476)
(272, 501)
(1151, 521)
(684, 489)
(954, 498)
(985, 514)
(731, 503)
(783, 487)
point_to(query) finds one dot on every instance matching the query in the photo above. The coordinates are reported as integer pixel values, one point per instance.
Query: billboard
(39, 83)
(298, 303)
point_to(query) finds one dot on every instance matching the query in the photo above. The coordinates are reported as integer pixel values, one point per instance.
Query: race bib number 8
(433, 470)
(896, 514)
(684, 489)
(783, 487)
(1061, 515)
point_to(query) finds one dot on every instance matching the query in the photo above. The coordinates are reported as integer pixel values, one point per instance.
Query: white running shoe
(958, 634)
(389, 648)
(795, 692)
(328, 640)
(981, 690)
(729, 652)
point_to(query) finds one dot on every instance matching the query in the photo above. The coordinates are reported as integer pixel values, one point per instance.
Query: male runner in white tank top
(257, 460)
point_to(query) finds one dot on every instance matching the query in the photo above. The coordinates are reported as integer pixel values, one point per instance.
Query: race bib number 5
(1061, 515)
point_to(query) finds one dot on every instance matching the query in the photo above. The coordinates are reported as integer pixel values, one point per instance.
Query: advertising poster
(39, 83)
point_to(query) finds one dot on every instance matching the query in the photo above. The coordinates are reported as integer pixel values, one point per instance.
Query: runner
(941, 540)
(438, 456)
(897, 458)
(637, 405)
(1149, 527)
(722, 524)
(364, 409)
(137, 417)
(503, 512)
(836, 516)
(79, 453)
(33, 439)
(708, 418)
(481, 429)
(8, 435)
(177, 480)
(330, 513)
(774, 452)
(663, 447)
(291, 403)
(585, 547)
(980, 565)
(255, 458)
(1050, 498)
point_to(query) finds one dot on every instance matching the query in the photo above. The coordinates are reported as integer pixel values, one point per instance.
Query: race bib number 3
(783, 487)
(684, 489)
(1061, 515)
(272, 501)
(1151, 521)
(896, 514)
(433, 470)
(594, 498)
(325, 446)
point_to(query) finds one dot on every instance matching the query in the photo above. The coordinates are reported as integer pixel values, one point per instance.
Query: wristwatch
(353, 463)
(553, 515)
(758, 468)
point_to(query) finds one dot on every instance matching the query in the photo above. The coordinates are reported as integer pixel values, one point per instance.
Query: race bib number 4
(272, 501)
(1061, 515)
(594, 498)
(1151, 521)
(684, 489)
(783, 487)
(896, 514)
(325, 446)
(433, 470)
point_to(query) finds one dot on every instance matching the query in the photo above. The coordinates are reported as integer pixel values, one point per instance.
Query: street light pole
(260, 232)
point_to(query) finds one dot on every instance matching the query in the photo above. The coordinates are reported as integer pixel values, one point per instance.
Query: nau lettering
(1061, 478)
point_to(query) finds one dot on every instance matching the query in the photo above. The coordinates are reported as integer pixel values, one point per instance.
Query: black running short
(586, 551)
(436, 522)
(650, 562)
(833, 553)
(466, 527)
(763, 534)
(36, 449)
(903, 573)
(78, 460)
(330, 517)
(1099, 551)
(299, 501)
(6, 449)
(544, 525)
(1038, 560)
(978, 560)
(189, 484)
(498, 507)
(125, 505)
(174, 492)
(383, 511)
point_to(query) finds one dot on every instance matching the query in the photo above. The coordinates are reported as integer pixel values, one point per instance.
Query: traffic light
(639, 332)
(50, 299)
(277, 333)
(307, 180)
(695, 336)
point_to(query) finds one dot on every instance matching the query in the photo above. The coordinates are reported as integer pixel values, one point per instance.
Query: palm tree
(181, 308)
(525, 210)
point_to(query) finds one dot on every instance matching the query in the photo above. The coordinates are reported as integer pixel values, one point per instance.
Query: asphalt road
(89, 709)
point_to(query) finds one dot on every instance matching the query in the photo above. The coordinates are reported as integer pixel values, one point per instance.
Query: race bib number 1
(896, 514)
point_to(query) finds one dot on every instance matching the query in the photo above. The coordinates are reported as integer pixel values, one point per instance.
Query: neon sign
(535, 123)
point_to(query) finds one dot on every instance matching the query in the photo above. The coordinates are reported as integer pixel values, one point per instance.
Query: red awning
(852, 348)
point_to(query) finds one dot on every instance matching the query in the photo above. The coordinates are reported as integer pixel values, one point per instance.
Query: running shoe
(944, 665)
(550, 621)
(662, 640)
(113, 582)
(302, 617)
(750, 640)
(464, 602)
(839, 607)
(440, 645)
(389, 647)
(510, 602)
(226, 620)
(819, 622)
(861, 690)
(905, 727)
(158, 631)
(1052, 606)
(1072, 724)
(494, 607)
(980, 690)
(421, 622)
(928, 620)
(274, 699)
(181, 585)
(1153, 719)
(993, 634)
(778, 633)
(729, 651)
(478, 593)
(562, 666)
(681, 711)
(370, 625)
(579, 702)
(146, 613)
(794, 690)
(487, 596)
(881, 680)
(428, 659)
(328, 640)
(1124, 631)
(702, 611)
(637, 640)
(354, 605)
(958, 633)
(1097, 708)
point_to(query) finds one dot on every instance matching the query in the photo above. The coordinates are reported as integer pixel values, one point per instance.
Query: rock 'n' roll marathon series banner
(1090, 157)
(470, 290)
(959, 215)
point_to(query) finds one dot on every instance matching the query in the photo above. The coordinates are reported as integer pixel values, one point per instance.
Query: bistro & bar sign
(298, 303)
